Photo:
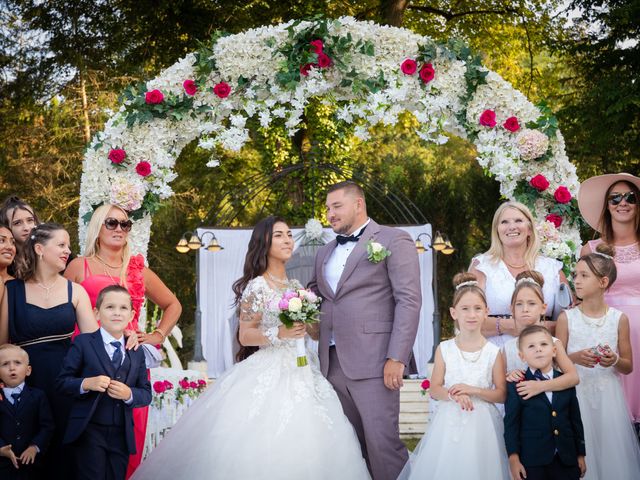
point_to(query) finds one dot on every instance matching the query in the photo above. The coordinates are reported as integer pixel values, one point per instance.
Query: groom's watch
(395, 360)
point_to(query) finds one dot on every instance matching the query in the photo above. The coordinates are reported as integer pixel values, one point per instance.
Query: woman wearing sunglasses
(609, 204)
(107, 261)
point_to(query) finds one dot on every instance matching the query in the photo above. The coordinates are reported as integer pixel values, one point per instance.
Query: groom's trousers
(374, 412)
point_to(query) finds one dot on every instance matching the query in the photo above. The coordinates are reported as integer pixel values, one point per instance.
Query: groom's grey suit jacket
(374, 312)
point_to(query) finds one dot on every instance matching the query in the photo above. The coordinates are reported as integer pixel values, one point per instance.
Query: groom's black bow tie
(342, 239)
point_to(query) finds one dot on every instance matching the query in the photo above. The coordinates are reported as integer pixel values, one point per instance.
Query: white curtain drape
(218, 271)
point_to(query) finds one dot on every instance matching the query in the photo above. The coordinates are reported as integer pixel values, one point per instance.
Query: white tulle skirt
(460, 445)
(266, 419)
(610, 441)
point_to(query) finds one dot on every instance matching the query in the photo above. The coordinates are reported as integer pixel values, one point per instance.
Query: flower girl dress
(265, 418)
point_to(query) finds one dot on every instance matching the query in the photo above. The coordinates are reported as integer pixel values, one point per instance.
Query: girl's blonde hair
(466, 282)
(496, 250)
(92, 243)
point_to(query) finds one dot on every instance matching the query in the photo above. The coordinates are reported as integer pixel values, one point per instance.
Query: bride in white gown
(265, 418)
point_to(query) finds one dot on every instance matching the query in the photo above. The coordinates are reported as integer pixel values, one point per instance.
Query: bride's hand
(298, 330)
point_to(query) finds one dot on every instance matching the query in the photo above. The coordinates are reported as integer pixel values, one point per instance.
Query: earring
(40, 256)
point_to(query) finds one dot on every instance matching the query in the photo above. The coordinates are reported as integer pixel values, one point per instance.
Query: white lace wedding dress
(462, 444)
(265, 418)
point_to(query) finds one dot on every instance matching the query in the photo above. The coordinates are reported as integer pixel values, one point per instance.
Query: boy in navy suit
(26, 423)
(108, 382)
(544, 434)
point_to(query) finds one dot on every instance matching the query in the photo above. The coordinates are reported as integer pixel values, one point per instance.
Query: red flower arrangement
(117, 155)
(488, 118)
(562, 195)
(427, 73)
(222, 90)
(190, 87)
(409, 66)
(555, 219)
(539, 182)
(154, 97)
(511, 124)
(143, 169)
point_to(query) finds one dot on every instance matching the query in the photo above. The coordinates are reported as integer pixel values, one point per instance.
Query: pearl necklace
(282, 281)
(471, 357)
(594, 322)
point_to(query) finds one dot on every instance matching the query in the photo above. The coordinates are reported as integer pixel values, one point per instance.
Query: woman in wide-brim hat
(609, 203)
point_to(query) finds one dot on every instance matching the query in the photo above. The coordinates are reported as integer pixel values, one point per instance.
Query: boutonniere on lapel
(376, 252)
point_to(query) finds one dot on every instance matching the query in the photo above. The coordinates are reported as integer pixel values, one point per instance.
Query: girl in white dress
(597, 340)
(265, 418)
(528, 308)
(465, 438)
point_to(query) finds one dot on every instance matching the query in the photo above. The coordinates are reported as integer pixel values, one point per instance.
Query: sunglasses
(112, 224)
(629, 197)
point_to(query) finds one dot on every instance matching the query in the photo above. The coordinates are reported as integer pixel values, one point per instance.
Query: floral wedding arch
(370, 74)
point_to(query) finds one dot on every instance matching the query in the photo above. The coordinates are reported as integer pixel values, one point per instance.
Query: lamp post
(439, 243)
(196, 242)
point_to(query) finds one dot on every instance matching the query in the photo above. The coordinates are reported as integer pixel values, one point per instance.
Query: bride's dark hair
(255, 264)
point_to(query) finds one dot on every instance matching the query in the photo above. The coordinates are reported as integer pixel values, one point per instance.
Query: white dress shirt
(9, 390)
(336, 262)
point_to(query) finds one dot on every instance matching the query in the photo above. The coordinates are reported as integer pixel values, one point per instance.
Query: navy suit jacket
(28, 423)
(536, 428)
(88, 357)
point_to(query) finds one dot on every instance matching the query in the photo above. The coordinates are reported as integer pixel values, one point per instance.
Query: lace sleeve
(252, 308)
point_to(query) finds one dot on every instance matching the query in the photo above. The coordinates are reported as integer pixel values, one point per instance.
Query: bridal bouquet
(299, 306)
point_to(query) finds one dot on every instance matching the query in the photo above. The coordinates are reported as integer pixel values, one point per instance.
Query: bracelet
(157, 330)
(451, 398)
(498, 326)
(617, 359)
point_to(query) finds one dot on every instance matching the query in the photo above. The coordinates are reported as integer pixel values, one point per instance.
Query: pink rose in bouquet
(301, 306)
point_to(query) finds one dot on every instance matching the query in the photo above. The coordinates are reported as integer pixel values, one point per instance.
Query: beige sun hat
(592, 192)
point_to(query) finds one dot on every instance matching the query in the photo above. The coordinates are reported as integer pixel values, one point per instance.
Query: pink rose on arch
(324, 60)
(488, 118)
(184, 383)
(562, 195)
(143, 169)
(154, 97)
(304, 69)
(222, 89)
(409, 66)
(117, 155)
(190, 87)
(511, 124)
(159, 387)
(539, 182)
(555, 219)
(317, 46)
(427, 73)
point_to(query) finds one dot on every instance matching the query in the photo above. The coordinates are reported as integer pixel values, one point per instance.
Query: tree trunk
(392, 11)
(85, 107)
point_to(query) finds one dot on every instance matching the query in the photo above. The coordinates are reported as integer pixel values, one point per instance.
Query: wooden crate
(414, 410)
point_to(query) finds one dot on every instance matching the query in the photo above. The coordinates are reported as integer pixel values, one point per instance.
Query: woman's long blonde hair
(496, 251)
(92, 243)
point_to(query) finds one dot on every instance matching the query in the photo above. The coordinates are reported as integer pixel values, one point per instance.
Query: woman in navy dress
(39, 312)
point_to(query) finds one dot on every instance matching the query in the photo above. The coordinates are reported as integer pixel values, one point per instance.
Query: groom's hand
(393, 370)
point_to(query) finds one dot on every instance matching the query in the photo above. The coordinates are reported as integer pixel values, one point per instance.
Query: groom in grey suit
(370, 312)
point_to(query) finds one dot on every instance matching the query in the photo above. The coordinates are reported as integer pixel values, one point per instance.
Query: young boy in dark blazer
(544, 434)
(108, 382)
(26, 423)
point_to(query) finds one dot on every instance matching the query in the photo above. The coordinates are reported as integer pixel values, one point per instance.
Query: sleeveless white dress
(501, 284)
(263, 419)
(611, 445)
(461, 444)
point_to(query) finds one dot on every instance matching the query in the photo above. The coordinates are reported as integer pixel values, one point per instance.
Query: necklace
(117, 267)
(471, 357)
(47, 288)
(515, 267)
(594, 322)
(282, 281)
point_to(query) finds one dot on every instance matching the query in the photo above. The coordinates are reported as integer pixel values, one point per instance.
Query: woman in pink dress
(107, 261)
(609, 203)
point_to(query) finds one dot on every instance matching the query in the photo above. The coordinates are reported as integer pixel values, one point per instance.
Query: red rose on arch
(562, 195)
(555, 219)
(324, 60)
(222, 89)
(427, 73)
(317, 46)
(304, 69)
(190, 87)
(409, 66)
(511, 124)
(488, 118)
(117, 155)
(539, 182)
(143, 169)
(154, 97)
